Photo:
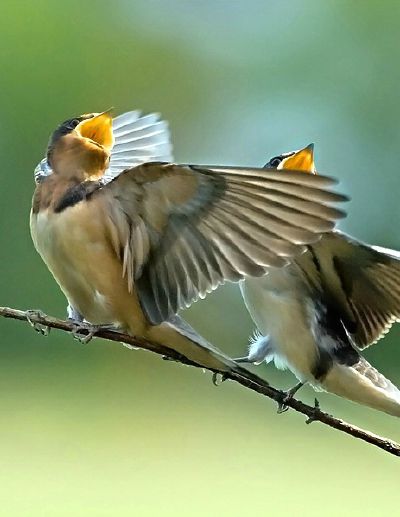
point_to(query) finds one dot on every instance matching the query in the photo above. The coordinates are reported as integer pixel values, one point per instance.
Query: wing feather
(368, 297)
(188, 229)
(138, 139)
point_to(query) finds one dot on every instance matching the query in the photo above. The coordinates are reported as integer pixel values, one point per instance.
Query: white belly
(280, 310)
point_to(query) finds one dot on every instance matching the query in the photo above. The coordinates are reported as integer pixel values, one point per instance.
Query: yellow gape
(302, 160)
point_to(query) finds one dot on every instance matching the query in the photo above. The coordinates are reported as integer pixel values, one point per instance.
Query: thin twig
(245, 378)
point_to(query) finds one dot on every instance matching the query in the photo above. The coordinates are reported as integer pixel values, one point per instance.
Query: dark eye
(74, 122)
(274, 162)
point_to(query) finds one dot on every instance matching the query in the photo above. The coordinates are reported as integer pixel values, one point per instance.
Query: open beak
(302, 160)
(98, 129)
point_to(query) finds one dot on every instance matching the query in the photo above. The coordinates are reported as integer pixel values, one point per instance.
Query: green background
(99, 430)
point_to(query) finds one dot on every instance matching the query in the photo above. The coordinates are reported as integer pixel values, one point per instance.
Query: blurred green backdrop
(99, 430)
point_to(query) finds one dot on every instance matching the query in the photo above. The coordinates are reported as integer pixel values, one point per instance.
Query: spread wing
(137, 139)
(180, 231)
(368, 296)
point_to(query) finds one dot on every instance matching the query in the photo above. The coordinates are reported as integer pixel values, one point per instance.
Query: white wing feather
(138, 139)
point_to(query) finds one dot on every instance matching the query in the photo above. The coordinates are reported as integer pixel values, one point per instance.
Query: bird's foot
(84, 332)
(218, 378)
(39, 327)
(282, 405)
(244, 359)
(312, 418)
(169, 358)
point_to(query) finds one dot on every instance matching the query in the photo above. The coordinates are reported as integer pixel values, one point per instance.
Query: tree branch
(247, 379)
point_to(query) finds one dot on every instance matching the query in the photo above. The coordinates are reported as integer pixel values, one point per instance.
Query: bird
(131, 237)
(315, 316)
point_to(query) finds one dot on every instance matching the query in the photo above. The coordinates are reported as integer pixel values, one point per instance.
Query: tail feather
(362, 383)
(178, 335)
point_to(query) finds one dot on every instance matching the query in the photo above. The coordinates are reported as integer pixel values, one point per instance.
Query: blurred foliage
(100, 430)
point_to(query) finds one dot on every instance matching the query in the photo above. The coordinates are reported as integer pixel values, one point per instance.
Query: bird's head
(80, 147)
(302, 160)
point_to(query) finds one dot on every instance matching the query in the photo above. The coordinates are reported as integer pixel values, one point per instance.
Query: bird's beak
(98, 129)
(302, 160)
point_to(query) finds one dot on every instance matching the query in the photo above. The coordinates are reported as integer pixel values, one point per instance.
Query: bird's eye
(275, 162)
(74, 122)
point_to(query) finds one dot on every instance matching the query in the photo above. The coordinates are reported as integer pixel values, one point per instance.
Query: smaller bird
(317, 314)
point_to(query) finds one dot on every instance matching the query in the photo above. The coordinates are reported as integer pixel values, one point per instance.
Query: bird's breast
(281, 308)
(74, 246)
